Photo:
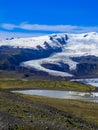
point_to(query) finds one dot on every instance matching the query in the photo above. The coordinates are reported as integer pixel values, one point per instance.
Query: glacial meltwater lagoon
(93, 97)
(86, 96)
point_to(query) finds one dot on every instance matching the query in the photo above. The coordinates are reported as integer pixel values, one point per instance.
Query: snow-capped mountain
(35, 42)
(64, 55)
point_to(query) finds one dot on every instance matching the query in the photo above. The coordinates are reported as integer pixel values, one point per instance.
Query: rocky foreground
(27, 113)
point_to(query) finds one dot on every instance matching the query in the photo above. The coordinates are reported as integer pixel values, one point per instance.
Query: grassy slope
(45, 84)
(86, 110)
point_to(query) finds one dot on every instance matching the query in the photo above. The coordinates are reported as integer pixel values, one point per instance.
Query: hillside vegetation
(6, 83)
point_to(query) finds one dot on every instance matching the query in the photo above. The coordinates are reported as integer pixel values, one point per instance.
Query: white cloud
(60, 28)
(4, 34)
(53, 28)
(8, 26)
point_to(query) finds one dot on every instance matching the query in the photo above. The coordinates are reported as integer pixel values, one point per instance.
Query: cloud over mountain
(53, 28)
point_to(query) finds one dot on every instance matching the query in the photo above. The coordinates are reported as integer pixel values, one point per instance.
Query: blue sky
(23, 18)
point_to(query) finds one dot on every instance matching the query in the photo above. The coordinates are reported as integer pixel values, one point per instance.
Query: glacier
(72, 45)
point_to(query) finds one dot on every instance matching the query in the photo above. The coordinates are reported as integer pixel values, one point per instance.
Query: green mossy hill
(44, 84)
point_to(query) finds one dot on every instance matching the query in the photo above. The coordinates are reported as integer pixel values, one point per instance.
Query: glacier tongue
(36, 64)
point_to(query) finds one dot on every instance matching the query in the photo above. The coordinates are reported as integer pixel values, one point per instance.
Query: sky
(26, 18)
